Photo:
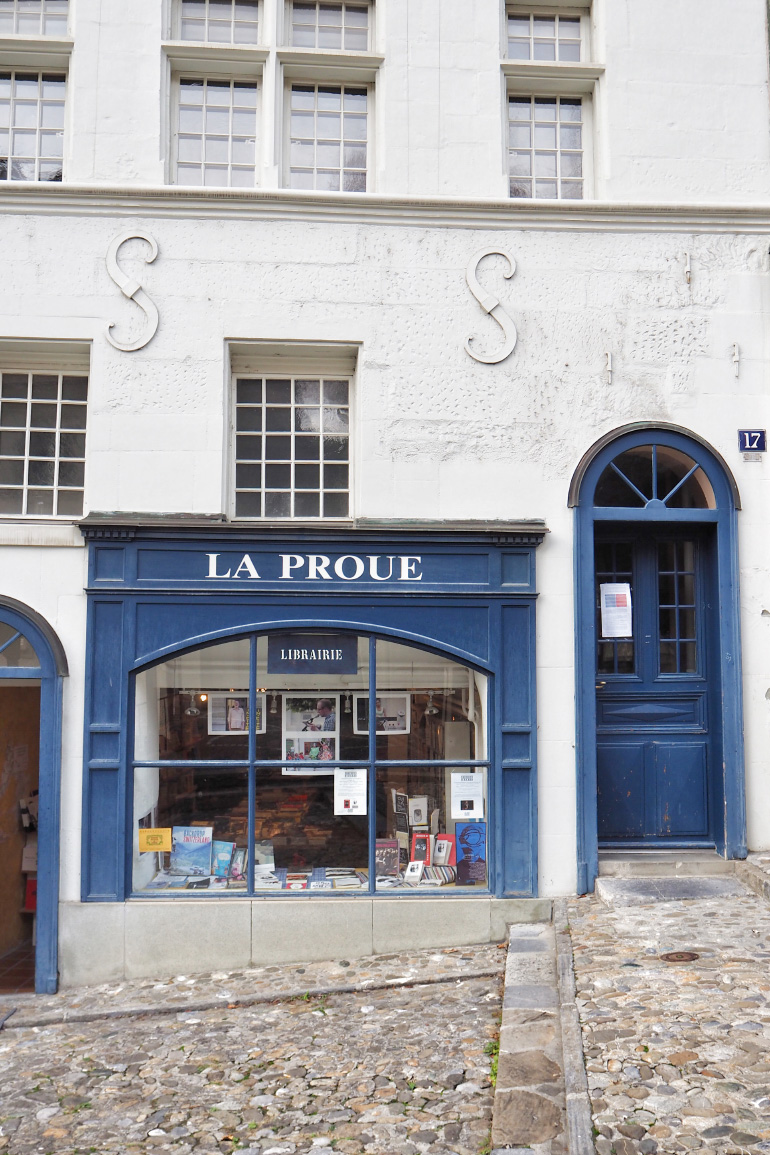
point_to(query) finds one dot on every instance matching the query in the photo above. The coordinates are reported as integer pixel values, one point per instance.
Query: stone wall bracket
(132, 290)
(491, 305)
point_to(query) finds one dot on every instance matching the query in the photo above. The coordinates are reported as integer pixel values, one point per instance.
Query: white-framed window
(31, 125)
(219, 21)
(545, 147)
(328, 137)
(33, 17)
(216, 132)
(547, 37)
(42, 443)
(291, 446)
(316, 24)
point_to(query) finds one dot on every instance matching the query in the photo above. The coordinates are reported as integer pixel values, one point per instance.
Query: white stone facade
(664, 267)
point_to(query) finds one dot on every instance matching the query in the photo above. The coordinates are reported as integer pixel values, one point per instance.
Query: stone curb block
(579, 1117)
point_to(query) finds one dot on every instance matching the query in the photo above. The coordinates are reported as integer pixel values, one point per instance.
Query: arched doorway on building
(32, 665)
(659, 743)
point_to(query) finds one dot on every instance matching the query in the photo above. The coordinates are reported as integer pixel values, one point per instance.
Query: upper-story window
(220, 21)
(33, 17)
(545, 147)
(216, 141)
(328, 146)
(42, 444)
(31, 126)
(532, 36)
(292, 447)
(319, 25)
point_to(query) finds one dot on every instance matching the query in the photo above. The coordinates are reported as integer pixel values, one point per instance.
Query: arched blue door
(659, 692)
(31, 653)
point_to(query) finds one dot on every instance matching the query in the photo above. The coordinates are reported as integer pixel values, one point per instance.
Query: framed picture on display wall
(392, 713)
(310, 732)
(228, 712)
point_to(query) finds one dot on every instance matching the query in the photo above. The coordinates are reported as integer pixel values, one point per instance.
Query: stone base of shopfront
(101, 942)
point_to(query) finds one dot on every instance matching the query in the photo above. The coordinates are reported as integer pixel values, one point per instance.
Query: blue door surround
(50, 672)
(160, 586)
(730, 826)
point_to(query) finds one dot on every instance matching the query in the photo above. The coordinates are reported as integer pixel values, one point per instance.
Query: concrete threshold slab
(618, 892)
(541, 1100)
(662, 863)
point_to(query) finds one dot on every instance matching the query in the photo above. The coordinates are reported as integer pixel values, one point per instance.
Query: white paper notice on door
(350, 787)
(616, 610)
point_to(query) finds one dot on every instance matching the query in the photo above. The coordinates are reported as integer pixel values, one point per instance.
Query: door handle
(599, 685)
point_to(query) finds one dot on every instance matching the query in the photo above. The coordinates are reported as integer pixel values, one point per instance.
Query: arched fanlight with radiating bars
(654, 477)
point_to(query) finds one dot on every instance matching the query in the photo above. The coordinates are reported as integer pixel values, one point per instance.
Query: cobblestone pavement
(677, 1053)
(388, 1069)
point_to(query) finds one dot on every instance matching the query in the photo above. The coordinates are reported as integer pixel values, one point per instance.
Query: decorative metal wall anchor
(490, 304)
(132, 289)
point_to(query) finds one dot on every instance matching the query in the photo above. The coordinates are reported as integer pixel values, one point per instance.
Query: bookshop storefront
(342, 719)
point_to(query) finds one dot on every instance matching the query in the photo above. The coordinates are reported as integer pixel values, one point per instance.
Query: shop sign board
(312, 654)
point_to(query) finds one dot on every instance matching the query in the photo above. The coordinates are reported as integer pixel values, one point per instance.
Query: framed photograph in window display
(229, 713)
(310, 732)
(392, 712)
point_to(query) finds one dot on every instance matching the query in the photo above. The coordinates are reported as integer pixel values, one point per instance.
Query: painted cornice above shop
(371, 208)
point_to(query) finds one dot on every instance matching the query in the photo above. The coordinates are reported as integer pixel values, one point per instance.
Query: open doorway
(19, 783)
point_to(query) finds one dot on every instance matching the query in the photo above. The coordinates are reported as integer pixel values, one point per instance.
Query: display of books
(218, 883)
(264, 854)
(421, 847)
(418, 810)
(386, 856)
(238, 864)
(444, 850)
(191, 850)
(413, 872)
(471, 853)
(221, 857)
(198, 883)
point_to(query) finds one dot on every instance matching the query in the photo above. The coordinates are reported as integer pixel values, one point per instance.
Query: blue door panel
(620, 787)
(682, 789)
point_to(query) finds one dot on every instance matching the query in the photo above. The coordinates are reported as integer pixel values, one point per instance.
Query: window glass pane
(201, 815)
(436, 816)
(310, 715)
(195, 705)
(301, 844)
(443, 712)
(16, 651)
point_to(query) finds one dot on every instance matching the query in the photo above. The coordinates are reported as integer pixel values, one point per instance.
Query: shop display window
(310, 761)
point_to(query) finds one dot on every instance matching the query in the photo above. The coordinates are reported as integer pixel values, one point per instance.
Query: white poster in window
(350, 787)
(228, 713)
(467, 796)
(615, 601)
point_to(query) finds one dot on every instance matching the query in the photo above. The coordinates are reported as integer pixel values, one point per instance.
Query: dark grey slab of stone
(529, 995)
(641, 891)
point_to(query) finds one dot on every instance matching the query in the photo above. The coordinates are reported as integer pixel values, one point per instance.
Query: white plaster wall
(681, 112)
(438, 434)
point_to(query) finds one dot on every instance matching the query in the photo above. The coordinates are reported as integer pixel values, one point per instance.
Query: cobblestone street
(391, 1069)
(677, 1052)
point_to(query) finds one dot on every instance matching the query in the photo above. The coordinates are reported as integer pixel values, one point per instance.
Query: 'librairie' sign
(312, 654)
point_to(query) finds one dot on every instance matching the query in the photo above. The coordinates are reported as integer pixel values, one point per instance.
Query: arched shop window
(309, 762)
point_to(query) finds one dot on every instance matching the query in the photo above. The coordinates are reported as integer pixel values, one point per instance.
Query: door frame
(51, 672)
(730, 834)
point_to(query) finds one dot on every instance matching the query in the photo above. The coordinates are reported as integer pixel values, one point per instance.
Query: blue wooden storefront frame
(150, 596)
(731, 833)
(50, 672)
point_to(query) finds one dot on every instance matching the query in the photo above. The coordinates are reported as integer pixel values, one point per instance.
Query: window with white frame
(545, 147)
(315, 24)
(42, 444)
(328, 137)
(33, 17)
(292, 447)
(31, 126)
(536, 36)
(219, 21)
(217, 129)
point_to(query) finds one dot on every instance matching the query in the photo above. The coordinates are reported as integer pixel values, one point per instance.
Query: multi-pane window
(292, 439)
(545, 147)
(328, 138)
(33, 17)
(216, 143)
(220, 21)
(319, 25)
(677, 607)
(31, 126)
(535, 37)
(42, 444)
